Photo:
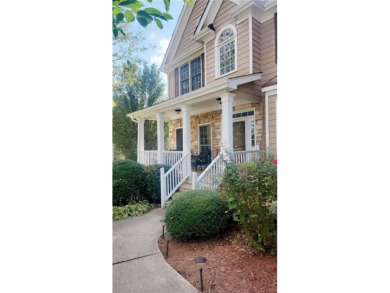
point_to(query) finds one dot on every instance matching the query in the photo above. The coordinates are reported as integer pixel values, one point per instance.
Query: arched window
(226, 51)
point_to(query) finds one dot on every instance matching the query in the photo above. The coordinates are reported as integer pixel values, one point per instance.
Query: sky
(159, 37)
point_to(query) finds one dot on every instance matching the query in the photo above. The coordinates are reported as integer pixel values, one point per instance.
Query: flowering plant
(249, 189)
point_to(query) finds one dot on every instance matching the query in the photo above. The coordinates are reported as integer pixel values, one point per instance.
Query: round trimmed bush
(128, 182)
(196, 214)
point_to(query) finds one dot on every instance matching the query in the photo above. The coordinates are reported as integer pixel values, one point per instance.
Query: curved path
(138, 266)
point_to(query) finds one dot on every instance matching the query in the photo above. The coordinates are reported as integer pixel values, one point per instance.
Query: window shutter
(176, 81)
(202, 61)
(276, 36)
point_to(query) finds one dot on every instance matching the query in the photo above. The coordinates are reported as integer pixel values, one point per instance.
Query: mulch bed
(230, 266)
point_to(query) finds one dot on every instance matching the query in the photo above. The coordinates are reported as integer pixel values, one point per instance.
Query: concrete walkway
(138, 266)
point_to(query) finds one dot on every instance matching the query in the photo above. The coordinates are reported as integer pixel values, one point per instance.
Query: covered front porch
(204, 125)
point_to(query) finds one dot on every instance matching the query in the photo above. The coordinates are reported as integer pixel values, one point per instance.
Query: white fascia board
(190, 98)
(235, 82)
(263, 16)
(204, 35)
(201, 22)
(178, 32)
(211, 90)
(258, 10)
(210, 14)
(270, 88)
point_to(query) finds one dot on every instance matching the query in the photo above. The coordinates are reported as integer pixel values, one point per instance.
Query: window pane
(195, 74)
(204, 135)
(184, 72)
(253, 143)
(226, 34)
(195, 66)
(227, 58)
(184, 79)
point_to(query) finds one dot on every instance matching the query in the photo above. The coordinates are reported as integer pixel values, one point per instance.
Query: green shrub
(250, 191)
(132, 209)
(128, 182)
(195, 214)
(247, 167)
(153, 188)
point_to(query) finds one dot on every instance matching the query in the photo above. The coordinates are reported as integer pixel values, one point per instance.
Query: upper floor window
(191, 76)
(196, 79)
(184, 79)
(226, 51)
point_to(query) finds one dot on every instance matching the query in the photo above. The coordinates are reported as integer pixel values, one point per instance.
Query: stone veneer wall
(214, 118)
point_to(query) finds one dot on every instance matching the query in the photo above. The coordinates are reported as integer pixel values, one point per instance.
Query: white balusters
(174, 177)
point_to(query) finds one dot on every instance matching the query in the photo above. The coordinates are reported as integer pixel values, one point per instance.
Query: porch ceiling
(202, 100)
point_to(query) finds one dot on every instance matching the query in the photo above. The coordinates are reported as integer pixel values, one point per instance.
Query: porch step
(185, 187)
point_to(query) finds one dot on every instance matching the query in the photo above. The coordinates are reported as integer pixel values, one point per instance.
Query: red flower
(244, 175)
(275, 161)
(260, 159)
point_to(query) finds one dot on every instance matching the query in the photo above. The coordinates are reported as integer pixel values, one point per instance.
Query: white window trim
(211, 137)
(217, 46)
(189, 75)
(176, 135)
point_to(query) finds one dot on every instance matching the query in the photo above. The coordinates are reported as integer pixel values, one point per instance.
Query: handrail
(211, 178)
(171, 157)
(209, 167)
(174, 177)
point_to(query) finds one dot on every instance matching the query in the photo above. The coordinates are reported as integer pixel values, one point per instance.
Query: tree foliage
(127, 11)
(145, 90)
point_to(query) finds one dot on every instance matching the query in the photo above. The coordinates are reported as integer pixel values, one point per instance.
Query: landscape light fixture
(178, 111)
(200, 260)
(168, 236)
(163, 226)
(219, 100)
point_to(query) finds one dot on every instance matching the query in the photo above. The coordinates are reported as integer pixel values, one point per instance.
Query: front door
(239, 136)
(179, 139)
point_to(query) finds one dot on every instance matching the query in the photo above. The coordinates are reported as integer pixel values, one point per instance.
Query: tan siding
(223, 19)
(210, 63)
(267, 38)
(172, 84)
(272, 124)
(186, 43)
(256, 45)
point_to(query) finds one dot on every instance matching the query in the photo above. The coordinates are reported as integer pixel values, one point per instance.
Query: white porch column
(141, 141)
(160, 136)
(185, 110)
(266, 124)
(227, 122)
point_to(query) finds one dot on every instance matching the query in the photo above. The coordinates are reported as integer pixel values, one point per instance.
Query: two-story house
(221, 65)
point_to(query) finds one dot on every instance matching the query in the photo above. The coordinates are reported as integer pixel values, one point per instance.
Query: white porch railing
(246, 156)
(151, 157)
(174, 177)
(148, 157)
(212, 177)
(170, 158)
